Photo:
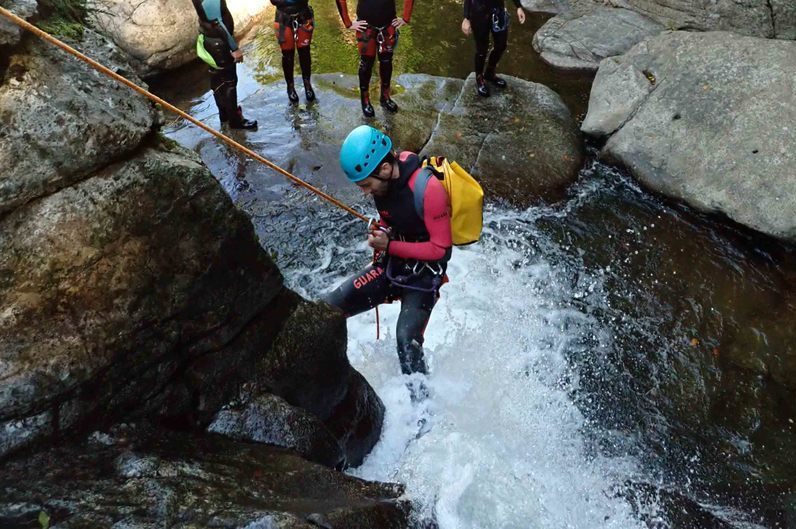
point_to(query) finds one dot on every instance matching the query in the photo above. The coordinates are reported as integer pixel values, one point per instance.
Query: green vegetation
(44, 520)
(64, 18)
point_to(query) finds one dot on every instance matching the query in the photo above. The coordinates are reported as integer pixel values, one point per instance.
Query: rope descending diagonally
(168, 106)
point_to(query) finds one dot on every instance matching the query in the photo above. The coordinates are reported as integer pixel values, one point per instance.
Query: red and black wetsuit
(294, 23)
(379, 39)
(488, 17)
(415, 243)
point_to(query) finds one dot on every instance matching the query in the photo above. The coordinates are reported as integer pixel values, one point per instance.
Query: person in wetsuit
(482, 18)
(294, 24)
(217, 26)
(412, 252)
(376, 28)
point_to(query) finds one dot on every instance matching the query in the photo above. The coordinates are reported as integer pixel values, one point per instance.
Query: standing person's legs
(303, 41)
(287, 43)
(224, 84)
(366, 42)
(481, 28)
(415, 312)
(500, 40)
(388, 40)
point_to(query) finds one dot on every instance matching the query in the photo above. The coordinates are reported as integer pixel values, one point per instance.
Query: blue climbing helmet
(362, 151)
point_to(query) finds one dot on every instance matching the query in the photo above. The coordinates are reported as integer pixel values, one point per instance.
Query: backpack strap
(421, 181)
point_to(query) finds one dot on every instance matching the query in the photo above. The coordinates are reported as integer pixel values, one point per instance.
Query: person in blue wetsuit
(217, 26)
(294, 24)
(482, 18)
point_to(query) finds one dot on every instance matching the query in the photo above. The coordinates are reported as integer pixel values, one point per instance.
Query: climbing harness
(385, 39)
(500, 19)
(168, 106)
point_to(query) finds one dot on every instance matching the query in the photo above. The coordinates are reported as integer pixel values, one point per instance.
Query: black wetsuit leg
(288, 65)
(415, 312)
(365, 72)
(500, 41)
(305, 62)
(224, 80)
(385, 73)
(481, 27)
(362, 292)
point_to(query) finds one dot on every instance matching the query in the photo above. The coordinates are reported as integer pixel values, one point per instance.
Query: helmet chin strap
(388, 179)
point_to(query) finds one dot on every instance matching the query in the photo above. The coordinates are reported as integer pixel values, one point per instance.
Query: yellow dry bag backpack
(465, 195)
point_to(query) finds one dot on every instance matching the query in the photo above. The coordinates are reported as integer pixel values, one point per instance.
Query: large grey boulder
(706, 118)
(10, 33)
(758, 18)
(580, 42)
(545, 6)
(62, 120)
(138, 478)
(521, 143)
(161, 34)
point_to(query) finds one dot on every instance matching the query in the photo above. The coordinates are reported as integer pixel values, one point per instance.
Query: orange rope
(165, 104)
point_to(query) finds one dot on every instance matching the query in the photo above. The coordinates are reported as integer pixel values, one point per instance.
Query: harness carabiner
(500, 20)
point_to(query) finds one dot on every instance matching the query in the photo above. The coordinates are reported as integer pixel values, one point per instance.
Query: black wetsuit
(418, 292)
(220, 43)
(488, 17)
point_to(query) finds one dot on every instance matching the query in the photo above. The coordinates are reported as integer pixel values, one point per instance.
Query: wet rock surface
(580, 42)
(712, 124)
(270, 420)
(10, 34)
(161, 34)
(135, 477)
(61, 120)
(110, 288)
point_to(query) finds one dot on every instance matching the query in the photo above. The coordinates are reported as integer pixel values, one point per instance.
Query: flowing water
(563, 359)
(610, 360)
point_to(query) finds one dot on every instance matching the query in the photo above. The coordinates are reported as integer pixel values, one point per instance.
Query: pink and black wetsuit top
(427, 239)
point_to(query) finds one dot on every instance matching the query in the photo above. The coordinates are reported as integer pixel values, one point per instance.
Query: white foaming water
(505, 446)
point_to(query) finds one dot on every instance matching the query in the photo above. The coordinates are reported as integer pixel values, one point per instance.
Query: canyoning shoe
(389, 105)
(495, 80)
(291, 94)
(239, 122)
(367, 108)
(480, 86)
(243, 123)
(309, 93)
